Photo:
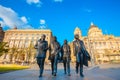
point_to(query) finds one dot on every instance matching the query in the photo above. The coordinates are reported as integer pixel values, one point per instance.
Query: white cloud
(33, 1)
(37, 2)
(58, 0)
(42, 21)
(2, 24)
(42, 27)
(10, 18)
(24, 19)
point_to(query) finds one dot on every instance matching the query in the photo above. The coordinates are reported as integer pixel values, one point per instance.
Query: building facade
(23, 38)
(1, 33)
(21, 42)
(102, 48)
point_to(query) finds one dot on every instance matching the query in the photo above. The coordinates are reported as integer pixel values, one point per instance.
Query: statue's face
(43, 37)
(65, 41)
(76, 36)
(54, 38)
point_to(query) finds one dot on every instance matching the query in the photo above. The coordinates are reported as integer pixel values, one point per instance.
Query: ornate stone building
(22, 41)
(102, 48)
(22, 38)
(1, 34)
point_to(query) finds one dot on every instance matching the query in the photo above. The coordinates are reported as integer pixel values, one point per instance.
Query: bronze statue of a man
(54, 50)
(41, 46)
(66, 57)
(81, 54)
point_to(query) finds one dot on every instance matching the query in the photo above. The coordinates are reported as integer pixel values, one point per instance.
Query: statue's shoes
(40, 75)
(54, 74)
(81, 75)
(76, 71)
(69, 74)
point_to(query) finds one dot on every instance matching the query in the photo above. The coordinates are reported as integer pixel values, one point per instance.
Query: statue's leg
(77, 66)
(42, 65)
(55, 65)
(81, 70)
(52, 65)
(68, 67)
(81, 66)
(39, 64)
(64, 64)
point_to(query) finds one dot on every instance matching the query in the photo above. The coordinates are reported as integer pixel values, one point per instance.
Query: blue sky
(61, 16)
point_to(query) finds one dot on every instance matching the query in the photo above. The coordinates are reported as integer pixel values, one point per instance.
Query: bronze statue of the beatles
(79, 50)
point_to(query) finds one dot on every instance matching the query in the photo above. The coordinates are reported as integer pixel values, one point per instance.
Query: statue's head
(43, 37)
(65, 41)
(54, 38)
(76, 36)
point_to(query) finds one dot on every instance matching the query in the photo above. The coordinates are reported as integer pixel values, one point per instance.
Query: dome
(92, 26)
(94, 31)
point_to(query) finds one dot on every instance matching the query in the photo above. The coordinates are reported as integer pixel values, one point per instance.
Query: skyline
(61, 16)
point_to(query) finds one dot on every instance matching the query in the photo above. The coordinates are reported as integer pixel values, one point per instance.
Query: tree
(13, 50)
(29, 50)
(3, 48)
(19, 56)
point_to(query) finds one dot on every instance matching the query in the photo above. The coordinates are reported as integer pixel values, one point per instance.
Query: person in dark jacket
(54, 50)
(81, 54)
(41, 46)
(66, 56)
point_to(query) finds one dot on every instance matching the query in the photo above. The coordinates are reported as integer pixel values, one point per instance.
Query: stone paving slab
(90, 74)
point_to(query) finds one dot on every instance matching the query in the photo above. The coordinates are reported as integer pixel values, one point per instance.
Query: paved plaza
(100, 72)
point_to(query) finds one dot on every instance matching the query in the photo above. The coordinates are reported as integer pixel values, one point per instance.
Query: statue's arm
(69, 50)
(46, 47)
(74, 50)
(59, 48)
